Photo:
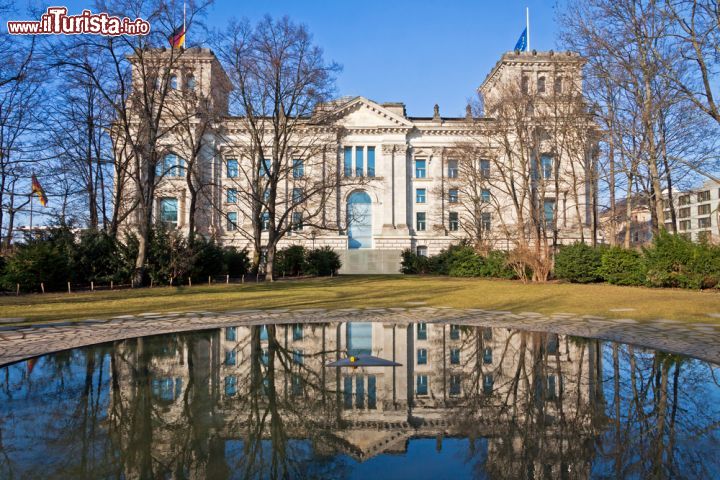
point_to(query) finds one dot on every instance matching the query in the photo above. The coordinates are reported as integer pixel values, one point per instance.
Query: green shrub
(322, 261)
(235, 262)
(46, 259)
(207, 259)
(495, 265)
(620, 266)
(290, 261)
(464, 262)
(98, 258)
(674, 261)
(441, 262)
(412, 263)
(578, 263)
(170, 259)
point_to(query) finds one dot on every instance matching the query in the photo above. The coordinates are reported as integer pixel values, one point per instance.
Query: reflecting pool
(261, 402)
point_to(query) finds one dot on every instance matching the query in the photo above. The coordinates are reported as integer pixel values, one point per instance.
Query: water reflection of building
(531, 394)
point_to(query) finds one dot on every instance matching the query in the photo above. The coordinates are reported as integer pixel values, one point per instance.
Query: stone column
(400, 182)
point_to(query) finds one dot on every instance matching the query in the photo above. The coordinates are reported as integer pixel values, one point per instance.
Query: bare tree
(286, 154)
(136, 82)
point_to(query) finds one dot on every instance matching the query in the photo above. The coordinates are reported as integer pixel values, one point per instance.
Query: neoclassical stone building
(408, 186)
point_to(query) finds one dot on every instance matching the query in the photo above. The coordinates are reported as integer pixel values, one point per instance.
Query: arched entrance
(359, 220)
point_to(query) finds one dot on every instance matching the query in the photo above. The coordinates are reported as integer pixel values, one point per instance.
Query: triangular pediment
(360, 112)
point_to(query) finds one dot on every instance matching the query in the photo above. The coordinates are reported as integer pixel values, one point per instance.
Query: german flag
(177, 37)
(38, 190)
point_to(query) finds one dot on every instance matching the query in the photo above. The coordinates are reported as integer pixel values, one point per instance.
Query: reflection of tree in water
(610, 411)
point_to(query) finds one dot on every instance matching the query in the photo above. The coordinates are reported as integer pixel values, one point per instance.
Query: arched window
(558, 85)
(173, 82)
(541, 85)
(524, 84)
(190, 82)
(359, 220)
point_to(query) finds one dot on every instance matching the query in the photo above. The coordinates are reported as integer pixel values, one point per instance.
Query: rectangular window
(230, 386)
(420, 166)
(488, 384)
(231, 195)
(553, 343)
(297, 221)
(359, 392)
(230, 357)
(485, 195)
(487, 333)
(370, 161)
(453, 195)
(549, 210)
(685, 225)
(420, 195)
(421, 251)
(169, 211)
(170, 166)
(485, 221)
(455, 385)
(704, 222)
(421, 385)
(422, 331)
(297, 386)
(422, 356)
(455, 356)
(420, 221)
(454, 332)
(684, 212)
(347, 393)
(297, 332)
(487, 355)
(452, 169)
(231, 221)
(297, 195)
(347, 163)
(265, 221)
(265, 167)
(232, 168)
(704, 209)
(372, 392)
(485, 169)
(298, 168)
(298, 356)
(684, 200)
(546, 164)
(703, 196)
(231, 334)
(453, 222)
(551, 388)
(359, 162)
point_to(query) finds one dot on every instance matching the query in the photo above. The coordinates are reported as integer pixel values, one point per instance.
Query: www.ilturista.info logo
(57, 21)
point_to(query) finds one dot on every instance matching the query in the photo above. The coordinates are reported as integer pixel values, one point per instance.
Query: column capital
(396, 148)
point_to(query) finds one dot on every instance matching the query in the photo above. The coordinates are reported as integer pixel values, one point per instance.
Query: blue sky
(419, 52)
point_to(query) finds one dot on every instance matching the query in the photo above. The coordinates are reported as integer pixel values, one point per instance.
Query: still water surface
(261, 402)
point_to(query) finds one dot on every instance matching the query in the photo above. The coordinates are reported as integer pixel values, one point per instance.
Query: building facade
(697, 213)
(403, 182)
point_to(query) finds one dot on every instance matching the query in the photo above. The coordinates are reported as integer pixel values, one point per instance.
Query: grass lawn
(374, 291)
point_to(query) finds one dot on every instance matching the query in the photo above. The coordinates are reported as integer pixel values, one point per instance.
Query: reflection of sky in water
(60, 418)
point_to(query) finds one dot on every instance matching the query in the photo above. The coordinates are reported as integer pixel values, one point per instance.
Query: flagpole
(184, 26)
(31, 213)
(527, 26)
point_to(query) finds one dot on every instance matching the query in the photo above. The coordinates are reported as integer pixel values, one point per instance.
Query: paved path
(700, 340)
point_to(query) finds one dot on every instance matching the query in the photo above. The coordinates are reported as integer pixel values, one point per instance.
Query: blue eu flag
(521, 44)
